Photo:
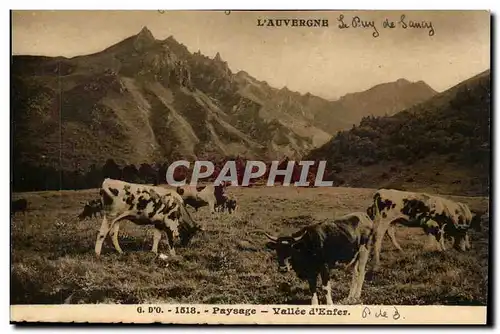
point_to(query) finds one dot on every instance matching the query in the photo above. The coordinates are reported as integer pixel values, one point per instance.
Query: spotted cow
(436, 215)
(144, 205)
(315, 249)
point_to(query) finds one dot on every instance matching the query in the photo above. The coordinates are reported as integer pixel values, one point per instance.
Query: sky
(324, 61)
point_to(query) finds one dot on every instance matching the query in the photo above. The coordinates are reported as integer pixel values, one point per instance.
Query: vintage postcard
(250, 167)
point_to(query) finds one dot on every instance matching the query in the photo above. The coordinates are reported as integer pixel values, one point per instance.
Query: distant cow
(197, 197)
(226, 203)
(436, 215)
(316, 248)
(91, 209)
(19, 205)
(144, 205)
(230, 205)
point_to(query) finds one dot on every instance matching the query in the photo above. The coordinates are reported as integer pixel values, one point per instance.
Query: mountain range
(145, 100)
(441, 145)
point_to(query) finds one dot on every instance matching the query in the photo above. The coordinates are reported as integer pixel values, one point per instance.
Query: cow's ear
(271, 245)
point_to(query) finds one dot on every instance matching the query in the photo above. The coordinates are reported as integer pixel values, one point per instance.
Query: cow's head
(284, 247)
(187, 232)
(187, 226)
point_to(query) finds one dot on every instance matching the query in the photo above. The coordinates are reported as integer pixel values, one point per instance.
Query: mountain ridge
(147, 100)
(440, 145)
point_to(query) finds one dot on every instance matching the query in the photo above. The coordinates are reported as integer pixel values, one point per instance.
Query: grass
(53, 260)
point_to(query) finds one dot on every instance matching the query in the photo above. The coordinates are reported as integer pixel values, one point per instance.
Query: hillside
(441, 145)
(145, 100)
(381, 100)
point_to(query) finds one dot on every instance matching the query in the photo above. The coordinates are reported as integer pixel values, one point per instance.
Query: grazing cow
(144, 205)
(91, 209)
(436, 215)
(201, 196)
(19, 205)
(316, 248)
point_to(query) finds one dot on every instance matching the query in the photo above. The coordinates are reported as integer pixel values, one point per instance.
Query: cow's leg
(380, 231)
(103, 232)
(114, 236)
(391, 231)
(313, 285)
(156, 240)
(170, 242)
(362, 260)
(460, 242)
(211, 206)
(440, 237)
(326, 285)
(114, 229)
(354, 282)
(467, 241)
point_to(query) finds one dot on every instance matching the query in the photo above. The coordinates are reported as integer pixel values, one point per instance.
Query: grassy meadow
(53, 260)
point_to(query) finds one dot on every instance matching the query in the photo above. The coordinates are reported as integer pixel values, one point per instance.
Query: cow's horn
(272, 238)
(296, 239)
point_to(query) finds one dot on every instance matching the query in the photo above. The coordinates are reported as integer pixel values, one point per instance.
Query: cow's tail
(354, 259)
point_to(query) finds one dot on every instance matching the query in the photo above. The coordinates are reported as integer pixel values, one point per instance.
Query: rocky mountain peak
(144, 39)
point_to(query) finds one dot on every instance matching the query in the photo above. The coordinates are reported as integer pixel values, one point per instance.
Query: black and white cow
(144, 205)
(315, 249)
(437, 216)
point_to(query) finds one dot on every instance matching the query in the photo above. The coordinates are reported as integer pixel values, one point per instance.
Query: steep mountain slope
(442, 144)
(144, 100)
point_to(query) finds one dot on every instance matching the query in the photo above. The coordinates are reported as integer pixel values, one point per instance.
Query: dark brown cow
(315, 249)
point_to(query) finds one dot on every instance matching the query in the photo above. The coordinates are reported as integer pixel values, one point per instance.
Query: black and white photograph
(250, 166)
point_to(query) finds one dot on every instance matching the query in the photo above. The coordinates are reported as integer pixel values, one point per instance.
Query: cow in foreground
(436, 215)
(200, 196)
(19, 205)
(91, 209)
(144, 205)
(317, 248)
